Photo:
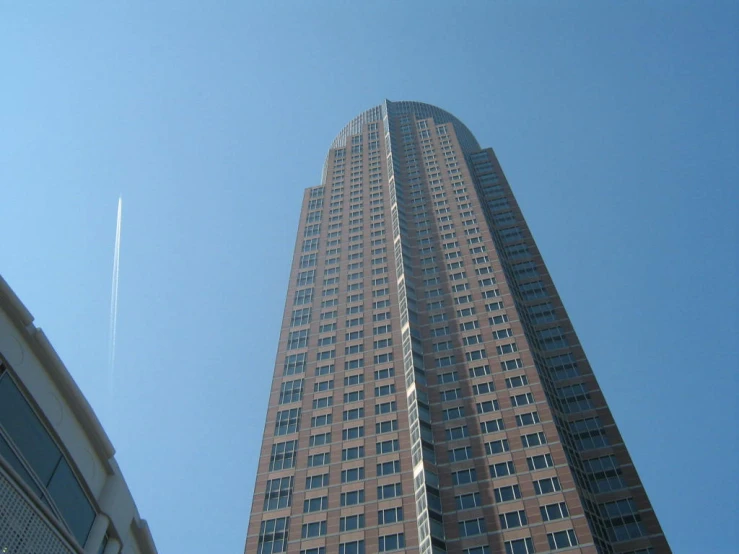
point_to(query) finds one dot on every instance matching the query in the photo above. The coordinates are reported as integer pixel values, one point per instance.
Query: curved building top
(59, 478)
(420, 110)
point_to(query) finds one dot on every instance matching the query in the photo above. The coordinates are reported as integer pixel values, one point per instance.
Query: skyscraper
(430, 394)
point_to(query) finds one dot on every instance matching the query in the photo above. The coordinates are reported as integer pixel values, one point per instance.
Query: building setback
(430, 394)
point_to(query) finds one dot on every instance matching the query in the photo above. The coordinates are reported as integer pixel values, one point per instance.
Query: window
(327, 327)
(326, 341)
(385, 447)
(522, 399)
(354, 396)
(502, 334)
(300, 316)
(352, 433)
(483, 388)
(322, 386)
(554, 511)
(354, 349)
(545, 486)
(604, 474)
(278, 493)
(315, 504)
(291, 391)
(457, 433)
(574, 398)
(316, 550)
(487, 406)
(386, 426)
(470, 500)
(447, 395)
(320, 439)
(352, 497)
(588, 433)
(464, 476)
(519, 546)
(485, 549)
(351, 380)
(303, 296)
(383, 358)
(534, 439)
(322, 459)
(388, 468)
(562, 367)
(385, 390)
(288, 421)
(283, 455)
(496, 447)
(294, 364)
(505, 494)
(297, 339)
(530, 418)
(389, 491)
(508, 365)
(273, 536)
(532, 290)
(517, 381)
(506, 348)
(328, 355)
(502, 469)
(492, 426)
(350, 365)
(448, 377)
(551, 339)
(540, 462)
(350, 523)
(353, 474)
(354, 413)
(453, 413)
(352, 453)
(511, 520)
(475, 355)
(391, 515)
(384, 373)
(622, 520)
(460, 454)
(316, 481)
(354, 547)
(480, 371)
(386, 408)
(441, 346)
(324, 370)
(311, 530)
(562, 539)
(472, 527)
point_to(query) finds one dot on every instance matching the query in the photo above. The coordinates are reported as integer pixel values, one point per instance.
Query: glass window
(27, 431)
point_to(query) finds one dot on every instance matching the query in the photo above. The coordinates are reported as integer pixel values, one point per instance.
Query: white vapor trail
(114, 297)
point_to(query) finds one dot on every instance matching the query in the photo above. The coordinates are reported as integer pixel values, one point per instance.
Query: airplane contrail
(114, 297)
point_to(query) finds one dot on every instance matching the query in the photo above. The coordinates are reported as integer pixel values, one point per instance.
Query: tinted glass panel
(26, 431)
(9, 456)
(71, 501)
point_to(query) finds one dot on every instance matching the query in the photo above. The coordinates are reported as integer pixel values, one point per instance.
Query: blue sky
(616, 124)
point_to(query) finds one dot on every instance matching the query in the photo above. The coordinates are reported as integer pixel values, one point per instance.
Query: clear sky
(615, 122)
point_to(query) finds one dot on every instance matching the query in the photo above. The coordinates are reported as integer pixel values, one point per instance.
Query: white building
(61, 490)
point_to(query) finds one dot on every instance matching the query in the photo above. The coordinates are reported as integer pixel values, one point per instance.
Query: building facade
(61, 490)
(430, 394)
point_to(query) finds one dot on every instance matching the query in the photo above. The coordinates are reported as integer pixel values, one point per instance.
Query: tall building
(430, 394)
(61, 490)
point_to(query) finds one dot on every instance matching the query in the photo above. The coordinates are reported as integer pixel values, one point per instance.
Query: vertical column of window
(535, 304)
(410, 370)
(273, 536)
